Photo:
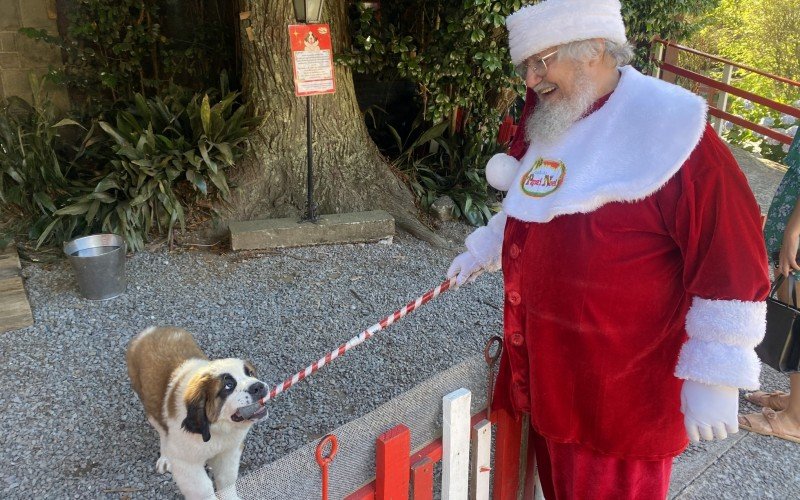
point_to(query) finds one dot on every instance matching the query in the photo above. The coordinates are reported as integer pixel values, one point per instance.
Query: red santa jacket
(606, 288)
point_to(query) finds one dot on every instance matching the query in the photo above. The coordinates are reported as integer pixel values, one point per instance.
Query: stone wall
(20, 55)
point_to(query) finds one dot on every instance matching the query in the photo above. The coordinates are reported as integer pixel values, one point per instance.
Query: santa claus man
(635, 272)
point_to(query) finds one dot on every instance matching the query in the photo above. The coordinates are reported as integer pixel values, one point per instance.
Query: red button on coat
(517, 339)
(514, 299)
(514, 251)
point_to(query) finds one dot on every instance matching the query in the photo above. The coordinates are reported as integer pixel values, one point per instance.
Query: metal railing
(665, 57)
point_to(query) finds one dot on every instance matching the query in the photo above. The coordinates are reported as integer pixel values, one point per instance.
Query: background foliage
(764, 34)
(146, 145)
(116, 48)
(455, 52)
(137, 175)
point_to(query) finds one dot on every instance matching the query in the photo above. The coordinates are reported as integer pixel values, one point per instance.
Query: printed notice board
(312, 58)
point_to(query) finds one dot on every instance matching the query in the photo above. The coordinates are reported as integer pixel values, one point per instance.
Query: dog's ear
(249, 369)
(200, 395)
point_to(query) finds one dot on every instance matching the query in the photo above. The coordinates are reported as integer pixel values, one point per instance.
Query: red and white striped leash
(355, 341)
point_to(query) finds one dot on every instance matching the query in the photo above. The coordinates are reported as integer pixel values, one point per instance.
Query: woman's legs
(787, 406)
(791, 415)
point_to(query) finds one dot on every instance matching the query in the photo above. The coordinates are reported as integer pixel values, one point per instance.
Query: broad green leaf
(67, 121)
(44, 201)
(114, 134)
(74, 209)
(205, 115)
(46, 232)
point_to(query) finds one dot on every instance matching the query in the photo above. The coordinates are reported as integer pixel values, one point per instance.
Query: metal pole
(311, 210)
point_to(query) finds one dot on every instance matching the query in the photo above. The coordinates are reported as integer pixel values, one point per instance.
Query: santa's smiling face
(565, 93)
(555, 78)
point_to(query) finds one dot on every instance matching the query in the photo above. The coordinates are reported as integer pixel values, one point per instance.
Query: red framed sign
(312, 59)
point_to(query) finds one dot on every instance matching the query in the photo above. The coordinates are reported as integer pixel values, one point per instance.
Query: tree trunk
(349, 172)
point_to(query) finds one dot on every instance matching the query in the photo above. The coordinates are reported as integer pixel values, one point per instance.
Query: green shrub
(765, 146)
(116, 48)
(133, 177)
(159, 148)
(41, 159)
(436, 162)
(763, 34)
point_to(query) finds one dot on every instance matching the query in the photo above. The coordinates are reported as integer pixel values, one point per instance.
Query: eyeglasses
(536, 64)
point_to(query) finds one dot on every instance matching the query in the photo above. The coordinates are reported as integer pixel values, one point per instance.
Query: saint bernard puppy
(193, 403)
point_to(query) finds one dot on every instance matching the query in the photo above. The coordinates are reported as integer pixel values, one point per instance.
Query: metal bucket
(99, 264)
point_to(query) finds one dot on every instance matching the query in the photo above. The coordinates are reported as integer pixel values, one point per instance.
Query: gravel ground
(74, 427)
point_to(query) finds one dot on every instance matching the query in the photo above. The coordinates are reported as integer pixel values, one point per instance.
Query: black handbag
(780, 348)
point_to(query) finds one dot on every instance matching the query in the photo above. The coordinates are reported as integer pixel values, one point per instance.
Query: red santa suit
(633, 258)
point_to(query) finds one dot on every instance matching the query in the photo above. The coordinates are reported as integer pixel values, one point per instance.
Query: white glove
(466, 266)
(709, 411)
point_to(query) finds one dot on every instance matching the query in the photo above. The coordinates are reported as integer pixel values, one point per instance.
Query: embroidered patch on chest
(543, 178)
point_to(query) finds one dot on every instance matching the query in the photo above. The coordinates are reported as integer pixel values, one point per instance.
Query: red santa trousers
(570, 471)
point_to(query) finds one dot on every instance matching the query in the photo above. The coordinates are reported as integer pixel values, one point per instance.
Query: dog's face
(216, 393)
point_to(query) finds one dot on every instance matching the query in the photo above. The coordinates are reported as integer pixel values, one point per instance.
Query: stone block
(443, 208)
(36, 14)
(15, 82)
(8, 41)
(38, 54)
(9, 15)
(357, 227)
(9, 60)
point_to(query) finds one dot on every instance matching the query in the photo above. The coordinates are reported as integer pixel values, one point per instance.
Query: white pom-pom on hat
(501, 169)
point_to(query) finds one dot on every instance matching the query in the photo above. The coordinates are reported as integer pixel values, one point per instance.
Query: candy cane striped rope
(359, 339)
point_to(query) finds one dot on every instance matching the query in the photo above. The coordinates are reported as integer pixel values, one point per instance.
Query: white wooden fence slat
(455, 445)
(481, 460)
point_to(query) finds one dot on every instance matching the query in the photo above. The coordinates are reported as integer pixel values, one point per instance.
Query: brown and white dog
(193, 403)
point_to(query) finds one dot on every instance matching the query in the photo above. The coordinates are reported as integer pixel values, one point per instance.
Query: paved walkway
(746, 465)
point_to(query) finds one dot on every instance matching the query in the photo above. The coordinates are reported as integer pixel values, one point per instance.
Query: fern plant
(158, 146)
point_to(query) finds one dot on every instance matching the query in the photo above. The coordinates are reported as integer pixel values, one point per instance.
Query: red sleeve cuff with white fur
(723, 335)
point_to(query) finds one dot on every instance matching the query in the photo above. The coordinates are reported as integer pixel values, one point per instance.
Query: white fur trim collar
(624, 151)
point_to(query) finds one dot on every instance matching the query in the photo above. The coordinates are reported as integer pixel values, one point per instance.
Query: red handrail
(729, 89)
(667, 43)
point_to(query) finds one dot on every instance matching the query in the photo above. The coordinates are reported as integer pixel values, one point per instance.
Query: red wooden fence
(666, 59)
(397, 468)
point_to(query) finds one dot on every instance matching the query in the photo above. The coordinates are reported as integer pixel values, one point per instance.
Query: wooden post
(422, 479)
(508, 447)
(393, 449)
(722, 99)
(659, 58)
(15, 310)
(481, 460)
(670, 57)
(455, 445)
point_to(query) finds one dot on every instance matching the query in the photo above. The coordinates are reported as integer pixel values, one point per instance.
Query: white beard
(551, 119)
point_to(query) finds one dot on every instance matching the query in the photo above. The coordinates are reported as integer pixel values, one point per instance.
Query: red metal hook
(491, 360)
(324, 461)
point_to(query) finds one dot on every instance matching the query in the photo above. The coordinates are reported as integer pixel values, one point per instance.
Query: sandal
(777, 400)
(766, 423)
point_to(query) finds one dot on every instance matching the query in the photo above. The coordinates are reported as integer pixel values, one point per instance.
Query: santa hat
(535, 28)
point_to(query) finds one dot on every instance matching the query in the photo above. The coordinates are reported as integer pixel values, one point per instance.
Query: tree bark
(349, 172)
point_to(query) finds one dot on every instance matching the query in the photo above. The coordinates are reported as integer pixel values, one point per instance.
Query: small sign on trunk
(312, 59)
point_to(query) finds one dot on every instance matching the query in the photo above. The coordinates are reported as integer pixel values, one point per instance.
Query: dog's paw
(162, 465)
